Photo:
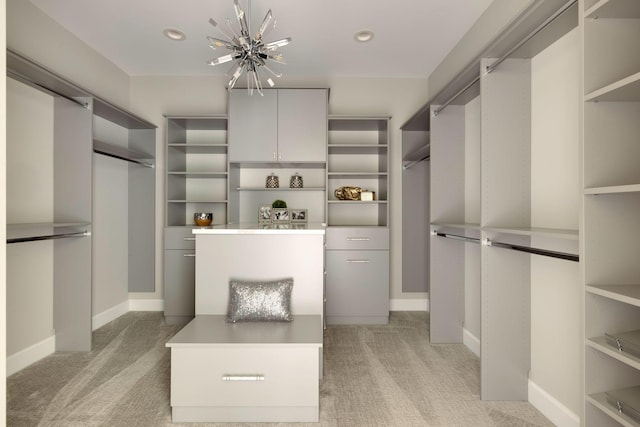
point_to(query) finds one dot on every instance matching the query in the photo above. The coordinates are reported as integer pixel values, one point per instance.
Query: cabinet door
(357, 286)
(253, 126)
(302, 125)
(179, 282)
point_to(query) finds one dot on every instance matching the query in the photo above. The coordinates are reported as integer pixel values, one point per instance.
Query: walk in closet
(51, 204)
(611, 203)
(505, 210)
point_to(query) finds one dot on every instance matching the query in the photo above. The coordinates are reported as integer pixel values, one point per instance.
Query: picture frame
(280, 215)
(298, 215)
(264, 214)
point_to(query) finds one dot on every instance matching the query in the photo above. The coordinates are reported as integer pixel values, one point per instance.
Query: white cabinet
(611, 200)
(357, 284)
(284, 125)
(246, 372)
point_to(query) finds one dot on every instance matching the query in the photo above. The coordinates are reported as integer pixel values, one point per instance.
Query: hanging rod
(455, 237)
(498, 61)
(117, 156)
(48, 237)
(415, 162)
(536, 251)
(532, 34)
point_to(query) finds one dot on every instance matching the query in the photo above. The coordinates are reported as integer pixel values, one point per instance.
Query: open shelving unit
(358, 156)
(611, 196)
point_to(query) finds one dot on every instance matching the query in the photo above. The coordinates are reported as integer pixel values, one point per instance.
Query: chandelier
(250, 54)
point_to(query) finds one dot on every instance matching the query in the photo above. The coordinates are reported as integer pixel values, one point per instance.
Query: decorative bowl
(203, 219)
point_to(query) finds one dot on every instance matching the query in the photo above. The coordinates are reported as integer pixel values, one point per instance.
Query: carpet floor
(388, 375)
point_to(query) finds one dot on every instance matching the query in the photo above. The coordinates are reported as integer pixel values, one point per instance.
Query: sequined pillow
(260, 301)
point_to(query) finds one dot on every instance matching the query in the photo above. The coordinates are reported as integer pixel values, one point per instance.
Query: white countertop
(253, 228)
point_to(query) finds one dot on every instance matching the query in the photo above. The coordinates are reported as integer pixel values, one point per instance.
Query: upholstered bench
(246, 371)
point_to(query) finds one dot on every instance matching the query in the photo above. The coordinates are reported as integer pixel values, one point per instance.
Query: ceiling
(411, 36)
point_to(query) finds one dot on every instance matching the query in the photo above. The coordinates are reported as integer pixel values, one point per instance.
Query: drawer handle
(189, 238)
(358, 261)
(243, 377)
(188, 254)
(357, 239)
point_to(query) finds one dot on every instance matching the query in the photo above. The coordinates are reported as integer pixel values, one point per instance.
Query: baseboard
(146, 305)
(471, 341)
(409, 304)
(30, 355)
(551, 408)
(109, 315)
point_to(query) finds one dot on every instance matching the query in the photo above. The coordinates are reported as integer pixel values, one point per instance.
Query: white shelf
(629, 294)
(462, 226)
(199, 174)
(357, 202)
(616, 189)
(536, 232)
(200, 148)
(280, 189)
(625, 90)
(196, 201)
(626, 9)
(600, 344)
(599, 400)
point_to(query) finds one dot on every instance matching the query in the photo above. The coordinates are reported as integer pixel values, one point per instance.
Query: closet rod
(455, 237)
(415, 162)
(531, 35)
(491, 67)
(536, 251)
(48, 237)
(116, 156)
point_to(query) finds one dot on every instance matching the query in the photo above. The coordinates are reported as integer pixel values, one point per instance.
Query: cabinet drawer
(179, 238)
(245, 375)
(357, 238)
(357, 283)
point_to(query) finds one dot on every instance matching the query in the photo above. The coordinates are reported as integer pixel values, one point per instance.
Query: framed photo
(298, 215)
(264, 214)
(280, 215)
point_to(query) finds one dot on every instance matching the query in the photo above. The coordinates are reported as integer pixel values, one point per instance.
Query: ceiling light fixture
(364, 36)
(249, 54)
(174, 34)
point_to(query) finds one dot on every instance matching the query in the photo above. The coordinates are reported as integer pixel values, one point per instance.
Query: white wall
(556, 294)
(398, 98)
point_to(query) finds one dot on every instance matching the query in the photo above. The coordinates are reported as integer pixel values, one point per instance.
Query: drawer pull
(188, 254)
(357, 239)
(358, 261)
(189, 238)
(243, 377)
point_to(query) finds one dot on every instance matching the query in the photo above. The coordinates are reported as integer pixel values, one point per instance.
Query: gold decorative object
(348, 193)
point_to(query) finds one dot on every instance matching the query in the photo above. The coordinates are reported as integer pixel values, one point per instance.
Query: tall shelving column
(611, 202)
(196, 181)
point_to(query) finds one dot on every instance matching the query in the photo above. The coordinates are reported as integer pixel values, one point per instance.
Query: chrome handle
(358, 261)
(243, 377)
(188, 254)
(274, 155)
(189, 238)
(357, 239)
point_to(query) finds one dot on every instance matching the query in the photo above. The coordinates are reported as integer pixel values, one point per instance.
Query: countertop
(253, 228)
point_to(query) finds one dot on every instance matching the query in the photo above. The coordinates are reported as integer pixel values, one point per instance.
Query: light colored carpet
(374, 376)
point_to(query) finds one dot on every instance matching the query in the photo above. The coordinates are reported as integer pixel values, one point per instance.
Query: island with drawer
(251, 371)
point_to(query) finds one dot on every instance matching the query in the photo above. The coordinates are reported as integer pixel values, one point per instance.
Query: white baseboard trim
(551, 408)
(409, 304)
(471, 341)
(101, 319)
(29, 355)
(146, 305)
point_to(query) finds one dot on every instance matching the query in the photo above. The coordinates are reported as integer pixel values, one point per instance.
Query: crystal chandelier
(250, 54)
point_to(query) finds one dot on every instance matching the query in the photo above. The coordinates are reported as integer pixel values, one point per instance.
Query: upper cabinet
(284, 125)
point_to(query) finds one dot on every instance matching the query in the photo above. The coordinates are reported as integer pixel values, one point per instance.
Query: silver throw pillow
(260, 301)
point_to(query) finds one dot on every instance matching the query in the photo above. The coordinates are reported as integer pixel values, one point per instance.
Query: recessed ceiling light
(174, 34)
(364, 36)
